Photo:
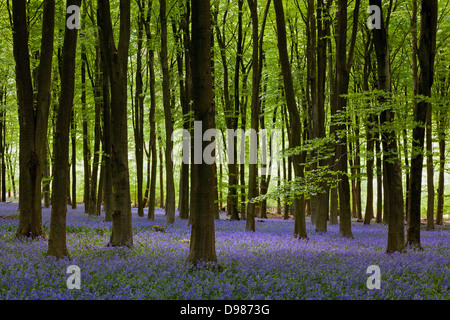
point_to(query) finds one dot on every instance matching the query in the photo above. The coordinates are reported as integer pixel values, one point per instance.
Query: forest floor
(266, 264)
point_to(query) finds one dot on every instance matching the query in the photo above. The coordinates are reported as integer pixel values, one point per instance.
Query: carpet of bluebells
(266, 264)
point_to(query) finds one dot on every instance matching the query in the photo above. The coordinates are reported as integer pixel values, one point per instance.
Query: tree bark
(170, 187)
(231, 118)
(116, 62)
(152, 141)
(86, 147)
(254, 119)
(294, 117)
(57, 245)
(322, 31)
(343, 66)
(139, 116)
(426, 54)
(202, 245)
(234, 214)
(33, 119)
(442, 126)
(106, 140)
(74, 160)
(430, 170)
(391, 163)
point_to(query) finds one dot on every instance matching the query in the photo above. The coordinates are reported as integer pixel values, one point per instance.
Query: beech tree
(115, 60)
(170, 187)
(294, 116)
(391, 164)
(57, 239)
(202, 244)
(426, 54)
(33, 113)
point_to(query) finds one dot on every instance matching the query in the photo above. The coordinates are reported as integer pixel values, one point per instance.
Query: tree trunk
(116, 63)
(74, 160)
(161, 176)
(106, 140)
(33, 118)
(286, 162)
(2, 144)
(442, 126)
(152, 141)
(230, 119)
(426, 54)
(343, 64)
(139, 116)
(202, 244)
(95, 162)
(170, 187)
(184, 81)
(392, 169)
(101, 184)
(379, 216)
(322, 31)
(369, 200)
(243, 113)
(254, 120)
(430, 170)
(233, 192)
(57, 245)
(294, 117)
(86, 148)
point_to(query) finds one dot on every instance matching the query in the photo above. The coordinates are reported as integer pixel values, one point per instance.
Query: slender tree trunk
(170, 187)
(95, 162)
(57, 245)
(243, 113)
(139, 116)
(322, 31)
(116, 62)
(2, 145)
(182, 42)
(233, 192)
(101, 184)
(230, 119)
(285, 162)
(99, 84)
(46, 183)
(161, 176)
(74, 161)
(369, 213)
(391, 168)
(430, 170)
(106, 139)
(379, 215)
(441, 125)
(369, 200)
(426, 54)
(343, 65)
(405, 143)
(254, 120)
(152, 143)
(334, 196)
(86, 149)
(294, 117)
